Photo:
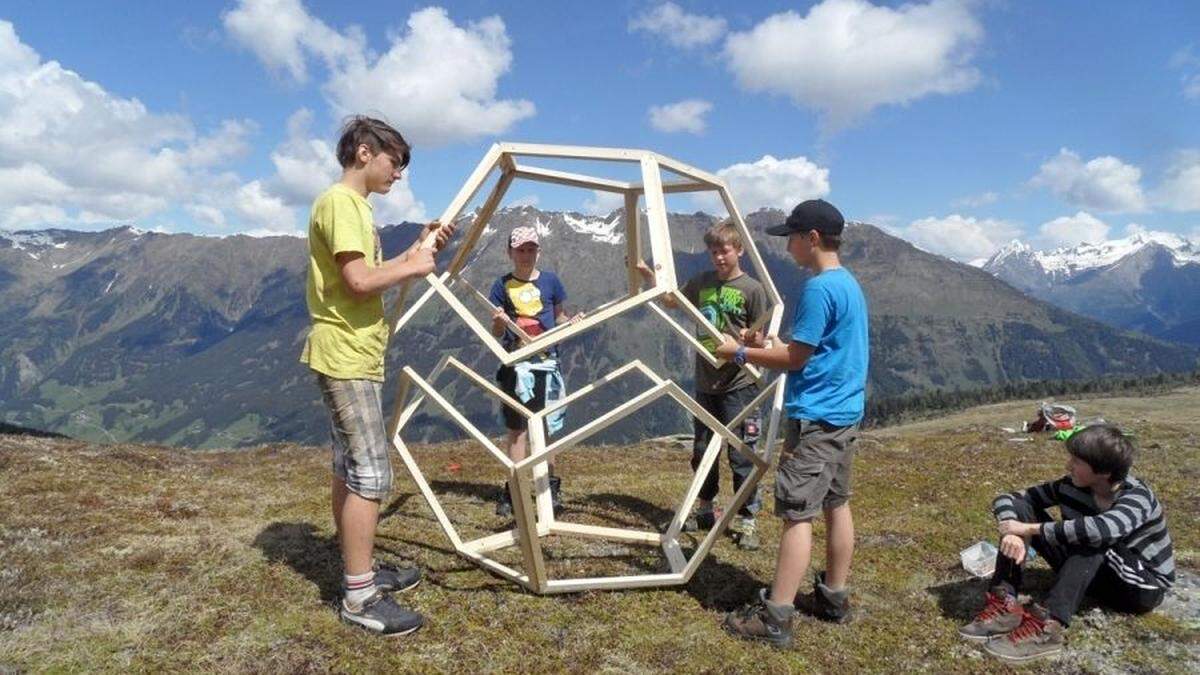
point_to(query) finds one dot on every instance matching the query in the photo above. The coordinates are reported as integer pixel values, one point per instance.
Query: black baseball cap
(814, 214)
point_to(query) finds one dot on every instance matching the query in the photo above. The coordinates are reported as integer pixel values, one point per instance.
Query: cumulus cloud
(770, 182)
(1180, 189)
(962, 238)
(679, 28)
(1080, 228)
(437, 81)
(847, 57)
(1104, 184)
(682, 116)
(71, 152)
(281, 32)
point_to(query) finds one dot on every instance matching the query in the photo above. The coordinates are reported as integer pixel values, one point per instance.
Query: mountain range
(186, 340)
(1147, 282)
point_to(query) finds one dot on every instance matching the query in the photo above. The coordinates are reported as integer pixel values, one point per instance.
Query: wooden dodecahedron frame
(530, 476)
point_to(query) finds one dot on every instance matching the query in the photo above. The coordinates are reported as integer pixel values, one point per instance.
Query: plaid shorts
(361, 450)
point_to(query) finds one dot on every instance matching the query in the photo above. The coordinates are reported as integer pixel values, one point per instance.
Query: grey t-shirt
(730, 306)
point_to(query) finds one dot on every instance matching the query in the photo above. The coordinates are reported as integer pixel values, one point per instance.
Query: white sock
(359, 587)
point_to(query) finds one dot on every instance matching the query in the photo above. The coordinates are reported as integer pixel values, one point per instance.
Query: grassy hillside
(119, 558)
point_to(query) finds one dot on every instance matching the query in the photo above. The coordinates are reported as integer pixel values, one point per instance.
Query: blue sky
(957, 124)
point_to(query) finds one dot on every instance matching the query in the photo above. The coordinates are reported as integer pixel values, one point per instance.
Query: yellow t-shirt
(348, 337)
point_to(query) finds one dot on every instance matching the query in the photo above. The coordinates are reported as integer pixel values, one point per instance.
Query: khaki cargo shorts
(814, 468)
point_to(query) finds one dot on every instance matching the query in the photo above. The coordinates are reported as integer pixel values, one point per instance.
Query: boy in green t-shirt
(346, 277)
(733, 302)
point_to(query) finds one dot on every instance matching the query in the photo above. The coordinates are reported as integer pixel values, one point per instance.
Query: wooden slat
(613, 583)
(612, 533)
(597, 424)
(656, 225)
(461, 421)
(574, 152)
(571, 179)
(633, 246)
(520, 487)
(587, 323)
(427, 492)
(492, 542)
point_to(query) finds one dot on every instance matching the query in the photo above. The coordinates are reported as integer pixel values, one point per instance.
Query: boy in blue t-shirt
(826, 361)
(534, 300)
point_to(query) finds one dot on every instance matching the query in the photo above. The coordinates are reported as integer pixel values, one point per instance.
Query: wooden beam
(633, 246)
(571, 179)
(596, 425)
(689, 171)
(587, 323)
(482, 218)
(611, 533)
(574, 152)
(540, 481)
(458, 418)
(656, 226)
(674, 555)
(612, 583)
(465, 314)
(427, 492)
(699, 476)
(492, 542)
(520, 487)
(587, 389)
(751, 249)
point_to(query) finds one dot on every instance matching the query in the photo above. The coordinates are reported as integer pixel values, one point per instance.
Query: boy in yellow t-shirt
(346, 277)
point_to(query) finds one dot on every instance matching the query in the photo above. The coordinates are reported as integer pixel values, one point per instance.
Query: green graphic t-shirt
(730, 306)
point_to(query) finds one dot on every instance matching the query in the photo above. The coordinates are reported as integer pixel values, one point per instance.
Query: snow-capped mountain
(1148, 281)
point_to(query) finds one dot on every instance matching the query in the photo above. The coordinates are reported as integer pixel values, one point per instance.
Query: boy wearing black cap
(826, 361)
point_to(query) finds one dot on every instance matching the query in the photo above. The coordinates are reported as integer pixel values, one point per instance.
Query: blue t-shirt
(531, 304)
(832, 317)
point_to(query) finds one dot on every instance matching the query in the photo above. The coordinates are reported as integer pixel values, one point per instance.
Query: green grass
(117, 558)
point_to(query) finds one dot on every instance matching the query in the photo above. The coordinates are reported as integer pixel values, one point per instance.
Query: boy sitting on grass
(733, 302)
(1112, 544)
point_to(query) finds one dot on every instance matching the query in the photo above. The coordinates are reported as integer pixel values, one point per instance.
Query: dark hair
(830, 242)
(1105, 449)
(377, 135)
(724, 232)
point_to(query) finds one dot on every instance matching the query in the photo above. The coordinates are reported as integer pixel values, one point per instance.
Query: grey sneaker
(389, 578)
(556, 495)
(701, 520)
(1037, 637)
(825, 603)
(380, 614)
(759, 621)
(1000, 615)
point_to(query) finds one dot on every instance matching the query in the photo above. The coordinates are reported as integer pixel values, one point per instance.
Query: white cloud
(975, 201)
(847, 57)
(255, 206)
(770, 182)
(437, 82)
(962, 238)
(280, 32)
(94, 156)
(679, 28)
(1080, 228)
(1104, 184)
(603, 203)
(1186, 61)
(682, 116)
(1180, 189)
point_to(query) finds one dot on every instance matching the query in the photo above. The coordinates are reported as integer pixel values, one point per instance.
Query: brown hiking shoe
(1001, 614)
(759, 621)
(825, 603)
(1038, 636)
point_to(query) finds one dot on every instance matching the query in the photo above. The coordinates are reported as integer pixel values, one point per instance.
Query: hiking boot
(761, 621)
(824, 603)
(380, 614)
(1038, 636)
(1001, 614)
(504, 505)
(556, 495)
(745, 533)
(389, 578)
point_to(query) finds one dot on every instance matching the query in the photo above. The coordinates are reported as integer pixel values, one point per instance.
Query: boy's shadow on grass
(961, 600)
(315, 556)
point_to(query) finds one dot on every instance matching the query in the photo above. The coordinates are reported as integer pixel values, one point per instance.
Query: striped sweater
(1135, 522)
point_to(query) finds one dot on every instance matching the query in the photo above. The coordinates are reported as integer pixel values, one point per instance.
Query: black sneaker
(381, 614)
(825, 604)
(701, 520)
(504, 506)
(389, 578)
(556, 494)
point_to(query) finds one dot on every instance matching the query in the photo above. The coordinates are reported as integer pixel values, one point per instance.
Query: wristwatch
(739, 357)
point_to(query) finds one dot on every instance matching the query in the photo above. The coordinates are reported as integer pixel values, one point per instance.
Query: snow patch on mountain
(600, 229)
(1067, 262)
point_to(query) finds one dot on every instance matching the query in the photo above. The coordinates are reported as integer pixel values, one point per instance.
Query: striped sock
(359, 587)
